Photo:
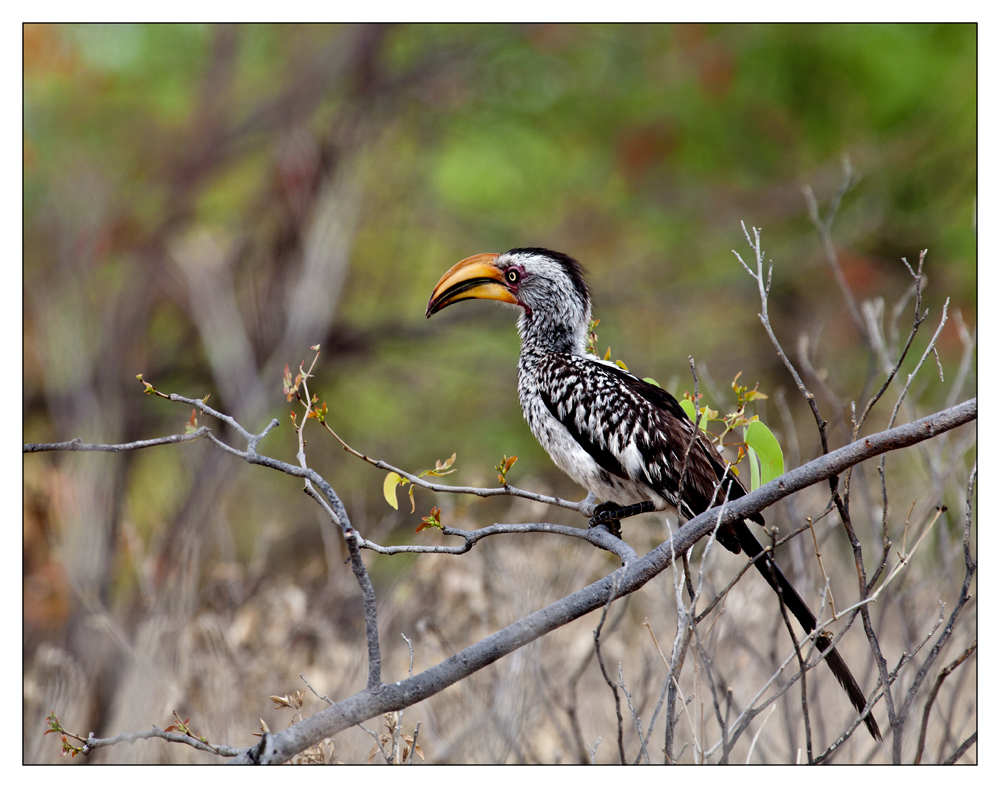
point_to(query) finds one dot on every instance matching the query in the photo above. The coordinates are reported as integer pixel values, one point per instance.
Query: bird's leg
(604, 514)
(611, 514)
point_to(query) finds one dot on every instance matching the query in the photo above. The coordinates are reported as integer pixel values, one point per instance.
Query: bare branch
(364, 705)
(636, 720)
(765, 320)
(878, 339)
(597, 536)
(963, 597)
(753, 741)
(934, 693)
(962, 748)
(968, 348)
(930, 347)
(377, 698)
(78, 445)
(823, 228)
(352, 538)
(585, 507)
(604, 670)
(310, 686)
(802, 666)
(92, 743)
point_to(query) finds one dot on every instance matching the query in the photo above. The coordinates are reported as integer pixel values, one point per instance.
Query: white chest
(571, 458)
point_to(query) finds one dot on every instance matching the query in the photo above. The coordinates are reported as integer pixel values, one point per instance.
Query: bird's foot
(611, 514)
(604, 514)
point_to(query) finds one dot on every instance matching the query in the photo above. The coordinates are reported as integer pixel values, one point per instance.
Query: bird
(624, 439)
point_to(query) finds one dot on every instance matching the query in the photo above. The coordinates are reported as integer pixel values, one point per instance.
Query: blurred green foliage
(638, 149)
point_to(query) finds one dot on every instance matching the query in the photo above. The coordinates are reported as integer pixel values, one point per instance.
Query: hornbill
(620, 437)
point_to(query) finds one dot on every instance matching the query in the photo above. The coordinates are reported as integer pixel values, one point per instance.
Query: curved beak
(473, 277)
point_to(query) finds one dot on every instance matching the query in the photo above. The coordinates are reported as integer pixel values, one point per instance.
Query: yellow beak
(473, 277)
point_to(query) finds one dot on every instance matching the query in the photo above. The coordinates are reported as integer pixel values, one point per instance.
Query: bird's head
(548, 286)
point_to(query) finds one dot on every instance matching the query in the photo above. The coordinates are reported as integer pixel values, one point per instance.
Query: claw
(608, 514)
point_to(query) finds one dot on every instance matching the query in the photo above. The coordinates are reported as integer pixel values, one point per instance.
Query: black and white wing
(638, 434)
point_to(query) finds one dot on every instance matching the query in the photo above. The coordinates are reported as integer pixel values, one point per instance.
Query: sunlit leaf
(392, 480)
(762, 441)
(754, 469)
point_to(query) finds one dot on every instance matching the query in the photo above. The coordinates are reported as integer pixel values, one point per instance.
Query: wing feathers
(635, 430)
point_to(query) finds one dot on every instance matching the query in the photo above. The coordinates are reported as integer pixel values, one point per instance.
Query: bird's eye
(513, 275)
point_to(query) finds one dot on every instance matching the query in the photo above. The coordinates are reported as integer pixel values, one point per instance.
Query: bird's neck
(564, 334)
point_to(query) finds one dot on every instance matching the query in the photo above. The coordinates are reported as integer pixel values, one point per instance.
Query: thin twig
(930, 347)
(413, 744)
(798, 656)
(409, 645)
(753, 741)
(636, 720)
(604, 670)
(968, 348)
(585, 507)
(934, 693)
(352, 539)
(764, 288)
(878, 340)
(310, 686)
(78, 445)
(387, 757)
(91, 743)
(970, 569)
(962, 749)
(823, 228)
(599, 537)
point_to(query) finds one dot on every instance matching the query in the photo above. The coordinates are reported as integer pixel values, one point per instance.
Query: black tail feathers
(773, 575)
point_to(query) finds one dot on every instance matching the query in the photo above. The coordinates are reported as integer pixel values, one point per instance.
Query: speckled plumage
(618, 436)
(621, 438)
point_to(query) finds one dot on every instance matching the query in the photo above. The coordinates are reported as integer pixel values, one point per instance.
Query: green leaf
(688, 407)
(754, 469)
(654, 383)
(761, 440)
(389, 488)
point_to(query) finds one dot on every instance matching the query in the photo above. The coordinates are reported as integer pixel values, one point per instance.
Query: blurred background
(204, 203)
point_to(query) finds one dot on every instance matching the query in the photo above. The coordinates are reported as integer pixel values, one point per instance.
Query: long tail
(773, 575)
